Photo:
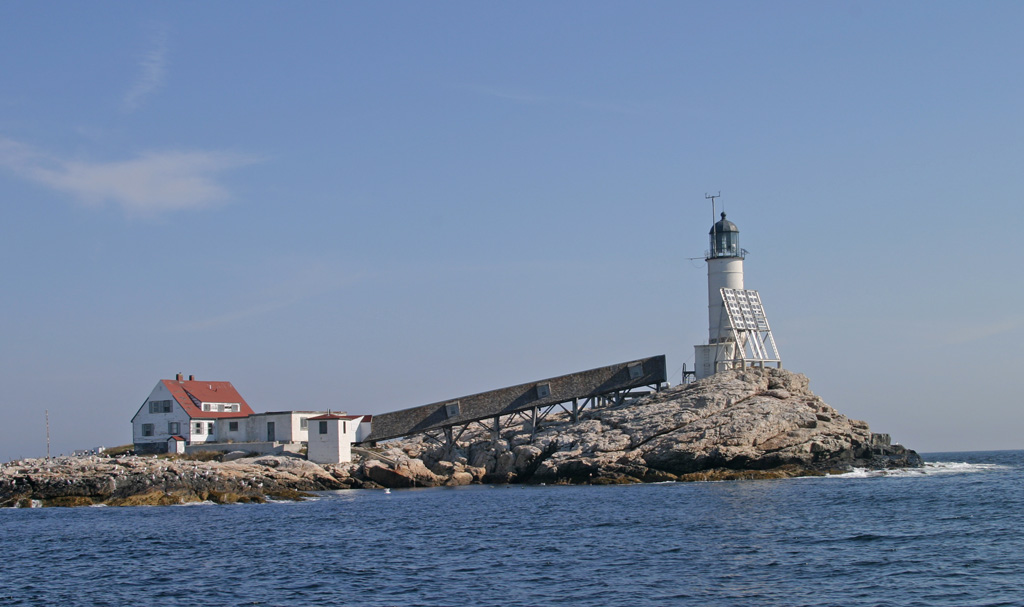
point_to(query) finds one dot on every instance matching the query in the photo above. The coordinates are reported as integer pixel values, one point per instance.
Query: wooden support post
(575, 410)
(533, 424)
(496, 431)
(449, 443)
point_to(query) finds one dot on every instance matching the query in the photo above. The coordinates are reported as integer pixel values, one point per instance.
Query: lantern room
(725, 240)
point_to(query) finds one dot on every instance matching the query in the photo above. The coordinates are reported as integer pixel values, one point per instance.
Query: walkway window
(451, 409)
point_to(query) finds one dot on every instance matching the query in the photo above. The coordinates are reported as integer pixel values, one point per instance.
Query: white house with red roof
(188, 415)
(197, 411)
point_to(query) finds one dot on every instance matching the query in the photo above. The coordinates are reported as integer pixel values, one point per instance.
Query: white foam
(929, 469)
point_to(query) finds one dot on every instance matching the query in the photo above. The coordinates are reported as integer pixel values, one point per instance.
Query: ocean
(950, 534)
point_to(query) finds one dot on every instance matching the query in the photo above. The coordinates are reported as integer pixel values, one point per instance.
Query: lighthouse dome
(725, 240)
(724, 225)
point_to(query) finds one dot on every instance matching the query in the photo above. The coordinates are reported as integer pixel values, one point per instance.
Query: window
(303, 423)
(197, 428)
(543, 390)
(323, 427)
(636, 370)
(452, 409)
(206, 406)
(209, 428)
(147, 429)
(233, 426)
(159, 406)
(173, 427)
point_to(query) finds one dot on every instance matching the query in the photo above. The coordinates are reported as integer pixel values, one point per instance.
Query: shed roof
(336, 416)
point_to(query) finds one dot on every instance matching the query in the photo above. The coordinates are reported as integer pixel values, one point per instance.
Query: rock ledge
(735, 425)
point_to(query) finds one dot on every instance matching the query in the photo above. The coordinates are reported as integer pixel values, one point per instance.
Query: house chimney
(191, 377)
(179, 377)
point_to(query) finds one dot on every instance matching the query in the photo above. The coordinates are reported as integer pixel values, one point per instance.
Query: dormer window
(636, 370)
(543, 390)
(451, 409)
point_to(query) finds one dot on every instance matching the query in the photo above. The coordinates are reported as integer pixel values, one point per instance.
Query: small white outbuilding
(331, 437)
(176, 444)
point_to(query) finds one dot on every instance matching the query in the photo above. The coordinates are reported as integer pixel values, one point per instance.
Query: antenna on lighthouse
(712, 197)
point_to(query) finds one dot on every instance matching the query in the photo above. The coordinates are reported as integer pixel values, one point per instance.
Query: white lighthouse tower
(738, 332)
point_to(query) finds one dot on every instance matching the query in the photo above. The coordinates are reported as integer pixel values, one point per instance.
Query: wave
(929, 469)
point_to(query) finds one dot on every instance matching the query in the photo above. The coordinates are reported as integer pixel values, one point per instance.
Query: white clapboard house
(190, 415)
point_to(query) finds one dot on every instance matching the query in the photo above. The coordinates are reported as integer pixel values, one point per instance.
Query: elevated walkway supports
(445, 422)
(598, 386)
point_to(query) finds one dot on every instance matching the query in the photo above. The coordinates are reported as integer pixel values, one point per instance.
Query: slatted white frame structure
(749, 324)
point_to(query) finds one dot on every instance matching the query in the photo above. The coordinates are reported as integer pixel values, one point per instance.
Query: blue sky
(370, 206)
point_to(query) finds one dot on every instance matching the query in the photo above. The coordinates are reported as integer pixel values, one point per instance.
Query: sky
(372, 206)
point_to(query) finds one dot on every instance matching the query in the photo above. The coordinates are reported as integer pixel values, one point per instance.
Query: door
(270, 432)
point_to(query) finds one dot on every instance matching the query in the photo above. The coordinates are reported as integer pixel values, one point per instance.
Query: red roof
(192, 394)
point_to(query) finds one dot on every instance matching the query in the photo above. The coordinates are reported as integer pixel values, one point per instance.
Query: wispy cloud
(153, 67)
(153, 182)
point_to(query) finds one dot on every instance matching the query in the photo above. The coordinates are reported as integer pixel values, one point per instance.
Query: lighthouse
(738, 331)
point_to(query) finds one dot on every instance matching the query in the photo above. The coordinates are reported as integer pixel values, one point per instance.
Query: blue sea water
(952, 534)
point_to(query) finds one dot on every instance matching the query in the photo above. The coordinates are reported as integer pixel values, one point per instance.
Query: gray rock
(757, 420)
(740, 424)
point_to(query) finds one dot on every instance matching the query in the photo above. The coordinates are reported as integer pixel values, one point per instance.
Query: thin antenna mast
(712, 197)
(47, 433)
(714, 224)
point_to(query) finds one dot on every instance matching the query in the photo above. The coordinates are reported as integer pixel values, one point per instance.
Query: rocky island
(741, 424)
